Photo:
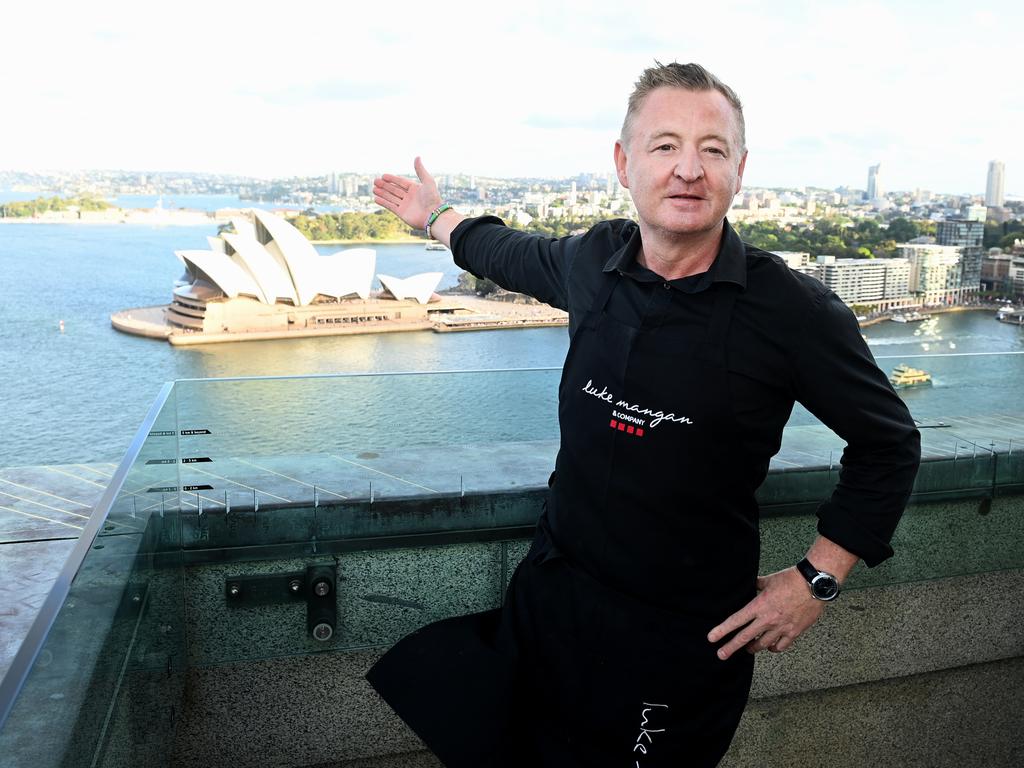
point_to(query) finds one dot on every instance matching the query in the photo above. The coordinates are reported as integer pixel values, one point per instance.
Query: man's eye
(664, 148)
(715, 150)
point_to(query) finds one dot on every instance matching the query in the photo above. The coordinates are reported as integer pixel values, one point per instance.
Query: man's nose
(688, 167)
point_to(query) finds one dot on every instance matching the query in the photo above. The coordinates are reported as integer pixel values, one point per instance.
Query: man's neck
(671, 256)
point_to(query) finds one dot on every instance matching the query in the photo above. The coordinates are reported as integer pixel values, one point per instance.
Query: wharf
(453, 313)
(934, 311)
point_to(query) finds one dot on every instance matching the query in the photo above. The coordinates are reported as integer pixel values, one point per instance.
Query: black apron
(599, 655)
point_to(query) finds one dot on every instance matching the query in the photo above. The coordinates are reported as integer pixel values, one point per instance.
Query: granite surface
(969, 717)
(300, 711)
(380, 596)
(899, 630)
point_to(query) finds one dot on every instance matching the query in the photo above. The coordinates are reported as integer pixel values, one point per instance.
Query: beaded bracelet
(434, 214)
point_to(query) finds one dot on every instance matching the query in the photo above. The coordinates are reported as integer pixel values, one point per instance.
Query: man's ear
(739, 172)
(620, 164)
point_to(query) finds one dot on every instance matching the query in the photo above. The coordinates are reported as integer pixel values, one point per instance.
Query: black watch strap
(807, 570)
(824, 586)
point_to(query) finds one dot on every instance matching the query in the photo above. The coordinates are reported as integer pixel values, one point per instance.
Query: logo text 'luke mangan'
(656, 416)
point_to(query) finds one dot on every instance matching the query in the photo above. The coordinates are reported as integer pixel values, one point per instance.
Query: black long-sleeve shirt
(791, 339)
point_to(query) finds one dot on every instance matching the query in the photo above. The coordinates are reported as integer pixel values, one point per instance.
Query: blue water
(79, 396)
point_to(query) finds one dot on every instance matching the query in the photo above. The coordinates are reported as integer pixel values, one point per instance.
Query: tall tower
(874, 182)
(994, 186)
(967, 236)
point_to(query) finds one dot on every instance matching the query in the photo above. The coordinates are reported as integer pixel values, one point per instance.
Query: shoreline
(187, 219)
(928, 313)
(392, 241)
(458, 312)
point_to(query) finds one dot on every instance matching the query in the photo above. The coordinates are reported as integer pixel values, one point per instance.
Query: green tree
(903, 230)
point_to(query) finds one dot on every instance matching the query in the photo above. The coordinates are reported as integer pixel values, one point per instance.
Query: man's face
(682, 161)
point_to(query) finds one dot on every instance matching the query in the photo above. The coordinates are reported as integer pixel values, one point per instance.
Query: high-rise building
(794, 259)
(1016, 273)
(966, 235)
(934, 272)
(874, 182)
(977, 213)
(995, 271)
(994, 185)
(572, 195)
(882, 283)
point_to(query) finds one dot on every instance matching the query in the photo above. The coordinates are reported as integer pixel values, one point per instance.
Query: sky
(931, 90)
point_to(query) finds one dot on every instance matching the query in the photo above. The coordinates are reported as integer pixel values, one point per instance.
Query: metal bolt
(323, 631)
(136, 598)
(294, 586)
(322, 588)
(234, 590)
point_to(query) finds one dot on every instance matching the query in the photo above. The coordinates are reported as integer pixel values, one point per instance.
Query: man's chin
(684, 226)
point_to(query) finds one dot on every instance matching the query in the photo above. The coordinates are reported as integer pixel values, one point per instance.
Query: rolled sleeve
(531, 264)
(837, 379)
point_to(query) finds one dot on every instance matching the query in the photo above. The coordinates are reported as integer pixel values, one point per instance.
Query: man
(688, 349)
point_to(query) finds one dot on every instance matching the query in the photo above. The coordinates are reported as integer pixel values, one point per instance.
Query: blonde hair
(689, 77)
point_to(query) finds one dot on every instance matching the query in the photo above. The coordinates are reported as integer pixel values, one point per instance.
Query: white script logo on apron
(630, 417)
(644, 741)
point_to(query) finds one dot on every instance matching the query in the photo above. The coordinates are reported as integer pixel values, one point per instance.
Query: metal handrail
(369, 374)
(17, 673)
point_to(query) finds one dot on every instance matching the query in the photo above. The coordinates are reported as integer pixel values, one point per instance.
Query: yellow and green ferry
(904, 376)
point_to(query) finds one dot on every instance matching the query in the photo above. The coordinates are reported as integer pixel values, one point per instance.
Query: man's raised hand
(410, 200)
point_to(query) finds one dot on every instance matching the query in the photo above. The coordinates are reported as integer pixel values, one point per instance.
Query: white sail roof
(419, 287)
(266, 271)
(222, 272)
(346, 273)
(269, 259)
(296, 252)
(243, 227)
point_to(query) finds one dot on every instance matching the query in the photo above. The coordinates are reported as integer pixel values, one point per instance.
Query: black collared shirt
(791, 339)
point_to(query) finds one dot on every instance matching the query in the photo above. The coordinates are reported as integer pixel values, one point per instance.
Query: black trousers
(567, 673)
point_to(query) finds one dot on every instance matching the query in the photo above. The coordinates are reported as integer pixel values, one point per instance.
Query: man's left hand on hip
(781, 612)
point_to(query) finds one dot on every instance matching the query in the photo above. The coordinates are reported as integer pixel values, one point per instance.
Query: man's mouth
(685, 196)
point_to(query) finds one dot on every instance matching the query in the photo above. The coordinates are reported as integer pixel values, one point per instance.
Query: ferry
(904, 376)
(912, 317)
(1011, 314)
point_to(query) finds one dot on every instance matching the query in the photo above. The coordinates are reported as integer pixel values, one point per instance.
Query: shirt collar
(729, 266)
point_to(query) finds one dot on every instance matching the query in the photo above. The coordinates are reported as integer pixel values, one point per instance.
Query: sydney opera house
(265, 280)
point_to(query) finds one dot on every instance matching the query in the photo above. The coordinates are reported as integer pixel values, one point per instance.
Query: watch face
(825, 587)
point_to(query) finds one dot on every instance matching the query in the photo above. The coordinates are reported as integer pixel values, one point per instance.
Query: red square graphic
(622, 427)
(614, 424)
(639, 432)
(630, 429)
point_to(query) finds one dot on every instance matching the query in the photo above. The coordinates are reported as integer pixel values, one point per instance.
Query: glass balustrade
(414, 496)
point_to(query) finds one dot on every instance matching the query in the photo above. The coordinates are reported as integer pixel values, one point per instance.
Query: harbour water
(79, 395)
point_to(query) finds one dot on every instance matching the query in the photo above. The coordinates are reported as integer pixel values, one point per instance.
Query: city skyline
(210, 88)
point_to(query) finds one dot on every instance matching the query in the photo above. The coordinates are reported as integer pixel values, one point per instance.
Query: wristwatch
(824, 586)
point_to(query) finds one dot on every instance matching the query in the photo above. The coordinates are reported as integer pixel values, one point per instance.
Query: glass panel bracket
(316, 586)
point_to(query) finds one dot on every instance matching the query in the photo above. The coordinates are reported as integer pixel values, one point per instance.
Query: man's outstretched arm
(525, 263)
(414, 201)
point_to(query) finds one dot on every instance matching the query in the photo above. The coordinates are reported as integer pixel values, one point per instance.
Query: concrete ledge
(901, 630)
(969, 716)
(890, 672)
